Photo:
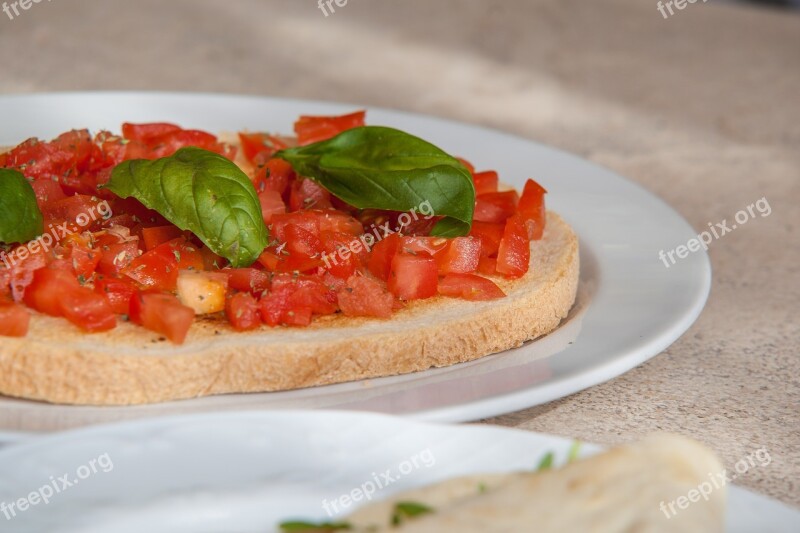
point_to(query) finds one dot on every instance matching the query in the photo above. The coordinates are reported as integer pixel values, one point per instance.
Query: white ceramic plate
(245, 472)
(630, 306)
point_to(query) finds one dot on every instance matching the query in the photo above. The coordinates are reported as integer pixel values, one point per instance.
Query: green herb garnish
(374, 167)
(20, 217)
(546, 462)
(202, 192)
(310, 527)
(405, 510)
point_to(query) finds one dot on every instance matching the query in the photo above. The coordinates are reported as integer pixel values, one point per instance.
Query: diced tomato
(364, 296)
(116, 257)
(157, 235)
(171, 142)
(292, 299)
(344, 254)
(487, 265)
(305, 219)
(58, 293)
(302, 243)
(467, 164)
(162, 313)
(469, 287)
(485, 182)
(311, 129)
(158, 268)
(250, 280)
(532, 210)
(202, 291)
(47, 191)
(275, 175)
(413, 276)
(307, 194)
(83, 258)
(118, 292)
(44, 293)
(461, 256)
(429, 245)
(490, 236)
(513, 256)
(81, 212)
(14, 320)
(271, 204)
(88, 310)
(380, 260)
(496, 207)
(242, 311)
(147, 133)
(259, 145)
(212, 261)
(333, 221)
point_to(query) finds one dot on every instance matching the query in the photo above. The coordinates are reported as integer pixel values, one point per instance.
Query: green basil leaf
(202, 192)
(374, 167)
(404, 510)
(310, 527)
(546, 463)
(20, 217)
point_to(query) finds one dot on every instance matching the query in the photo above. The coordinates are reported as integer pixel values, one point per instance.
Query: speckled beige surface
(703, 109)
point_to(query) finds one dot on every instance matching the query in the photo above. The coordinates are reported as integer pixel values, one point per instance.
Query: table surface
(702, 108)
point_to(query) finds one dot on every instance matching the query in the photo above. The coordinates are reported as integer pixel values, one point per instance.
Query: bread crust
(58, 363)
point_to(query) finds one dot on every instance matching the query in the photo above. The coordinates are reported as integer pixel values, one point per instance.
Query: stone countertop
(702, 108)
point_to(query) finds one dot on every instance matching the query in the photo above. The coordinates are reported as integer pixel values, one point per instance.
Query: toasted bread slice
(59, 363)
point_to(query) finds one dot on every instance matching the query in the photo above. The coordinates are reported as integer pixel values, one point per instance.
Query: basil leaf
(202, 192)
(546, 463)
(404, 510)
(374, 167)
(309, 527)
(20, 217)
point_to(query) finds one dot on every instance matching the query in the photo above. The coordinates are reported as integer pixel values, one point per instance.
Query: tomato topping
(275, 175)
(380, 260)
(14, 320)
(428, 245)
(249, 280)
(158, 269)
(496, 207)
(242, 311)
(513, 256)
(292, 300)
(363, 296)
(485, 182)
(259, 146)
(310, 129)
(118, 293)
(487, 265)
(413, 276)
(157, 235)
(306, 194)
(461, 255)
(147, 133)
(271, 204)
(532, 210)
(116, 257)
(58, 293)
(162, 313)
(490, 235)
(469, 287)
